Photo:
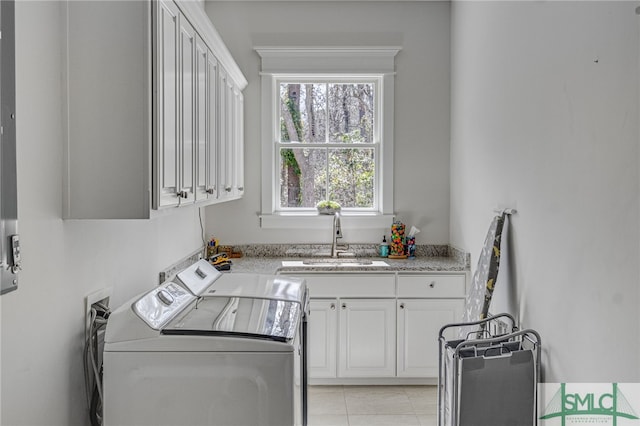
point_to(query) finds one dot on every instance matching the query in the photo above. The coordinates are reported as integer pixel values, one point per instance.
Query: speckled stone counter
(267, 259)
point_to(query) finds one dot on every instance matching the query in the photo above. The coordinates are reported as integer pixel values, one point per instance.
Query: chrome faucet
(337, 233)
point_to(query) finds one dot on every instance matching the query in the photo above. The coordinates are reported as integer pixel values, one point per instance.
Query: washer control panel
(162, 304)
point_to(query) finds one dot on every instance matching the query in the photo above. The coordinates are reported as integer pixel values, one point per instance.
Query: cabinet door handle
(432, 284)
(210, 191)
(241, 188)
(402, 306)
(333, 306)
(344, 306)
(228, 189)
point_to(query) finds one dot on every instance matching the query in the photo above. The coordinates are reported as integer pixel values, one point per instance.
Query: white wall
(421, 105)
(63, 261)
(545, 119)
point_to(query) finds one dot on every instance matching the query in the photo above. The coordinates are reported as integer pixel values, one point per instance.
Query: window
(327, 134)
(328, 143)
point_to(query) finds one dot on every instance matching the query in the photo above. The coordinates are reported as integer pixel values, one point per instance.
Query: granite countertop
(267, 259)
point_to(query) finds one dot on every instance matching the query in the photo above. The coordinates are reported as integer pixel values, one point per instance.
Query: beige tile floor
(372, 405)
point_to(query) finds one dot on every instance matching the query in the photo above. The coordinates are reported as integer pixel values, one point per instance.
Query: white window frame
(366, 63)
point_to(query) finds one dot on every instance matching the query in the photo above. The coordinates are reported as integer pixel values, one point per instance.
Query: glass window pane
(303, 112)
(351, 112)
(303, 174)
(351, 172)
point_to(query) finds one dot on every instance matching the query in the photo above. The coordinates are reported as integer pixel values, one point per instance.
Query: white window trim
(368, 62)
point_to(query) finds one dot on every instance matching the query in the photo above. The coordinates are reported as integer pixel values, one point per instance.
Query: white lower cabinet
(379, 327)
(419, 322)
(367, 338)
(352, 338)
(323, 332)
(426, 302)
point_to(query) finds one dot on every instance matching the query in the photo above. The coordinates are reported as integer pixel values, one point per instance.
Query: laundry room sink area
(290, 258)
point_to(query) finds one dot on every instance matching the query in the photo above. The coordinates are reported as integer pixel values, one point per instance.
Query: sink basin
(327, 255)
(333, 262)
(337, 261)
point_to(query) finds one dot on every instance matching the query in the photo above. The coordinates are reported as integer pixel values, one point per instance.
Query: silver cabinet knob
(333, 306)
(432, 284)
(210, 191)
(344, 306)
(402, 306)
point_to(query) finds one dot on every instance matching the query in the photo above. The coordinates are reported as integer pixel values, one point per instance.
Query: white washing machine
(209, 349)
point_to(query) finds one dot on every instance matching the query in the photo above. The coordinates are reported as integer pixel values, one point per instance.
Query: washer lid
(239, 317)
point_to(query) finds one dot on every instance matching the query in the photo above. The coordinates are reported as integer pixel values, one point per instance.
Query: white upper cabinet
(145, 111)
(201, 123)
(211, 150)
(238, 142)
(168, 135)
(231, 137)
(188, 112)
(210, 123)
(224, 190)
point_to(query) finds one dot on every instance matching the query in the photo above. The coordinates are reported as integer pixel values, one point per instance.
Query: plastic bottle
(384, 247)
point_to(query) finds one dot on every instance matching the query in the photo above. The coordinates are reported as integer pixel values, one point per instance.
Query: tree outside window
(327, 143)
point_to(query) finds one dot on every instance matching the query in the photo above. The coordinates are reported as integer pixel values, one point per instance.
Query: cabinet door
(419, 322)
(367, 337)
(187, 111)
(239, 142)
(224, 184)
(212, 127)
(230, 140)
(323, 329)
(167, 104)
(201, 116)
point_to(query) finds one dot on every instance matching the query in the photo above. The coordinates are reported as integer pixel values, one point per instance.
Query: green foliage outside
(344, 175)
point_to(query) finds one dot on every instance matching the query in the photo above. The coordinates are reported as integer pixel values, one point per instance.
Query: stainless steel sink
(327, 255)
(338, 261)
(333, 262)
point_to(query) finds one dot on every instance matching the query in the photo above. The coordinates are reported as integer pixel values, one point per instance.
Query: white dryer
(209, 349)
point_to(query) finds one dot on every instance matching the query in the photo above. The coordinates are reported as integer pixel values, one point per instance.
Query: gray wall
(42, 322)
(545, 120)
(421, 176)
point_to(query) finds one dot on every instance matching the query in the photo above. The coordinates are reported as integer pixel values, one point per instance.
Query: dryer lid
(235, 316)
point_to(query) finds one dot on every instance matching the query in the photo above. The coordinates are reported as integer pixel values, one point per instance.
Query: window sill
(313, 220)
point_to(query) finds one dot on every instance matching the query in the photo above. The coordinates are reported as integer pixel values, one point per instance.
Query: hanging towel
(484, 279)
